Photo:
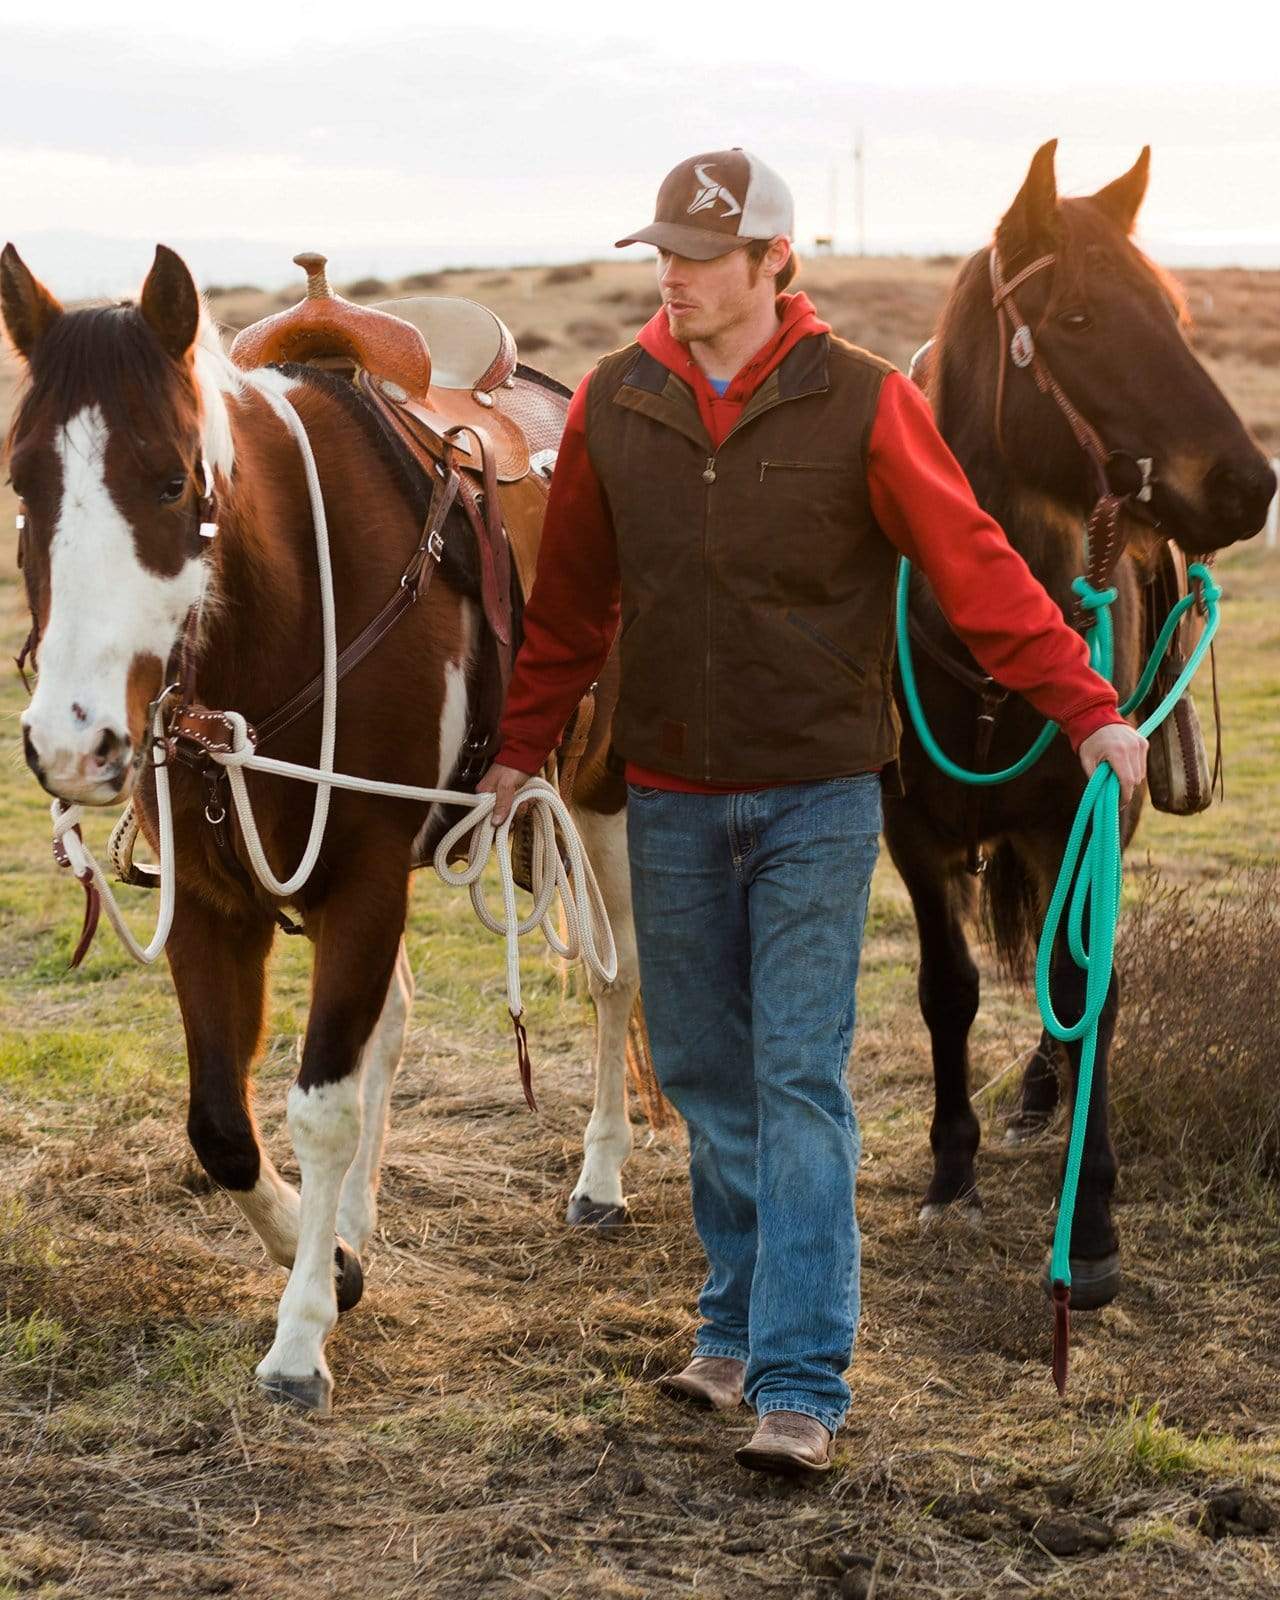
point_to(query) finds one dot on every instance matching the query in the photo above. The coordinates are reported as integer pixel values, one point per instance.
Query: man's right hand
(504, 782)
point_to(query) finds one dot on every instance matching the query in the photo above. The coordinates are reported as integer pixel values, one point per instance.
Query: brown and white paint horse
(123, 407)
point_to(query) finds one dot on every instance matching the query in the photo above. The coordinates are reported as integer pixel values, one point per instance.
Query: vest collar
(655, 391)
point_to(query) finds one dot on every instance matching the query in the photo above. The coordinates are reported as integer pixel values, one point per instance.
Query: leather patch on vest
(671, 740)
(647, 373)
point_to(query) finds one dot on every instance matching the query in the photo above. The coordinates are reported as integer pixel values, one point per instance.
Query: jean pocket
(642, 791)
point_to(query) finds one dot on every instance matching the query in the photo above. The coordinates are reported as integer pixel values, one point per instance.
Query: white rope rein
(572, 880)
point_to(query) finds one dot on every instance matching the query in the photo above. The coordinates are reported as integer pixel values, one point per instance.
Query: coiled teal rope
(1091, 873)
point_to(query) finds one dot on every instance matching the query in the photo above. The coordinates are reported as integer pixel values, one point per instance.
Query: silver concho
(1022, 347)
(543, 461)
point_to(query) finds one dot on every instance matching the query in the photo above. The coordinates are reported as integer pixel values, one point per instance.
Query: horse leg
(597, 1199)
(1040, 1094)
(359, 935)
(219, 972)
(948, 989)
(1095, 1246)
(379, 1063)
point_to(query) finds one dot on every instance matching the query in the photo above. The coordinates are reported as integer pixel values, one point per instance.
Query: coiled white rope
(589, 935)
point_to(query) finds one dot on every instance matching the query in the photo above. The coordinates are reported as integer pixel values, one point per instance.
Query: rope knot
(1092, 599)
(1209, 587)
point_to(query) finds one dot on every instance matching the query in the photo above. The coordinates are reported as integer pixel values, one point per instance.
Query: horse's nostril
(1240, 495)
(29, 751)
(111, 748)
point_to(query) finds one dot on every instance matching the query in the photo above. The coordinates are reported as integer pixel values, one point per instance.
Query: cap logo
(710, 192)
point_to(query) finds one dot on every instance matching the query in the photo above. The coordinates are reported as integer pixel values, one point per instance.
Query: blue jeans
(749, 914)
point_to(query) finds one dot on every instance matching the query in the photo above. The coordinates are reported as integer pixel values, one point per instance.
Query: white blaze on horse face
(106, 611)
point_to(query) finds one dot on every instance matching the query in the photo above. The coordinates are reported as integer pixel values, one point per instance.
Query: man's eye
(173, 491)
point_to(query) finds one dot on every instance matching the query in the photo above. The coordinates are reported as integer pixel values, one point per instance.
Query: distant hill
(564, 317)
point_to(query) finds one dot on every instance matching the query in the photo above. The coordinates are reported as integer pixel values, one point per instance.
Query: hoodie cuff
(523, 757)
(1078, 727)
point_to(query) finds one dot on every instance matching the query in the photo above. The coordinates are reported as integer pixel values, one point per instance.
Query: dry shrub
(1197, 1054)
(366, 288)
(571, 272)
(591, 331)
(423, 281)
(531, 342)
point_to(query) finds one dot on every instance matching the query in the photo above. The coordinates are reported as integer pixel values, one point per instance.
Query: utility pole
(860, 192)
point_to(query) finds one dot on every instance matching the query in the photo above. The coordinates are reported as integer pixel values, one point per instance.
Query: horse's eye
(173, 491)
(1075, 321)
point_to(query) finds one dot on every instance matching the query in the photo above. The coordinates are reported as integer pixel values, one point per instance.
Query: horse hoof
(1094, 1284)
(348, 1277)
(967, 1210)
(307, 1394)
(1025, 1129)
(587, 1213)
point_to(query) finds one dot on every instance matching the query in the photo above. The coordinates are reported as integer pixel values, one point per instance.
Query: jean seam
(722, 1352)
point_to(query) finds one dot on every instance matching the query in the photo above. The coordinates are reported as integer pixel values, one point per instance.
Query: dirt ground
(496, 1432)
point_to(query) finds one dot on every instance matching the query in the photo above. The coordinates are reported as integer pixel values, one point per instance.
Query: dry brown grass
(496, 1435)
(1197, 1060)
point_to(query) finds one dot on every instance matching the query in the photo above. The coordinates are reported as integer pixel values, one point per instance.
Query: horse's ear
(170, 303)
(1032, 221)
(1122, 199)
(29, 309)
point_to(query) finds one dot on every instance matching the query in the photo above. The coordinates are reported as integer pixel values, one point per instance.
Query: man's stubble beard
(688, 331)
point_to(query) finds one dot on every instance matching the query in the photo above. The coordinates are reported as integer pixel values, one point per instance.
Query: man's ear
(29, 309)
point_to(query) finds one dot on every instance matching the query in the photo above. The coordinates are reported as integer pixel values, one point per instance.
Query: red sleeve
(572, 613)
(923, 501)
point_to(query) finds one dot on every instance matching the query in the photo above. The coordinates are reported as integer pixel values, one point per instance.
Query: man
(736, 486)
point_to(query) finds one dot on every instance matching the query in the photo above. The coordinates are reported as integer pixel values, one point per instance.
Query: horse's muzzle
(1239, 494)
(99, 776)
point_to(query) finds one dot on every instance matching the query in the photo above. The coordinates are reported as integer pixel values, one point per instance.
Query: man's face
(705, 299)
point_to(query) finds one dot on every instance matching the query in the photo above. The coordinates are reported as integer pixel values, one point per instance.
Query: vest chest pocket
(778, 469)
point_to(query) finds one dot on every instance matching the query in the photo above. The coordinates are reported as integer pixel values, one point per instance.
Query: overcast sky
(403, 136)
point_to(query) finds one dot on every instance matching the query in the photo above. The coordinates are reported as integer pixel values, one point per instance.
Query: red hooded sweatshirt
(921, 499)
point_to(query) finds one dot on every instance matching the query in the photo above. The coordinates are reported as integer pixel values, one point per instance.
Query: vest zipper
(708, 477)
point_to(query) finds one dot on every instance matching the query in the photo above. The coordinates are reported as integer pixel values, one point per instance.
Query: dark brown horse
(1110, 326)
(124, 407)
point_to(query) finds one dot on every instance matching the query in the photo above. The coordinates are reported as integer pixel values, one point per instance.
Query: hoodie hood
(798, 320)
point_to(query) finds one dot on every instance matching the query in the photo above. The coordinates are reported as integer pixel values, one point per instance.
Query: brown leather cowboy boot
(714, 1381)
(787, 1442)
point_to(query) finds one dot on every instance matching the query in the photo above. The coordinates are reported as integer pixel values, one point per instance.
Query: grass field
(495, 1431)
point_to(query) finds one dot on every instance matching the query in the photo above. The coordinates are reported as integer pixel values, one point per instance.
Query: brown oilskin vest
(757, 588)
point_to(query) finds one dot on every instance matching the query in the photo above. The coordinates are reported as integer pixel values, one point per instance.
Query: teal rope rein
(1091, 873)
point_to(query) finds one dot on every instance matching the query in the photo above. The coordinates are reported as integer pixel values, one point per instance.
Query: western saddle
(442, 375)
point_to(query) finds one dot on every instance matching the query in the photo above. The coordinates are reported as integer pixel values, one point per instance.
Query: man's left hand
(1126, 750)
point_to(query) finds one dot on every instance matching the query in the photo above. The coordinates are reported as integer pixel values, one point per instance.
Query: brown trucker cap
(713, 203)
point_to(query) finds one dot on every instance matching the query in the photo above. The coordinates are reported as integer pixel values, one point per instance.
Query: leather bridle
(1123, 482)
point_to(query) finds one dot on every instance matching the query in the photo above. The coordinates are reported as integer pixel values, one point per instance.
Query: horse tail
(1011, 910)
